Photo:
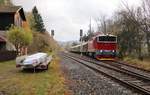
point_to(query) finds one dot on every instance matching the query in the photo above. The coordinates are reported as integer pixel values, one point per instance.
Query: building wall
(3, 33)
(6, 20)
(17, 20)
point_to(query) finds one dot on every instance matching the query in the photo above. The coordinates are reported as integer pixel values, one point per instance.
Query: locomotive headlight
(113, 50)
(101, 50)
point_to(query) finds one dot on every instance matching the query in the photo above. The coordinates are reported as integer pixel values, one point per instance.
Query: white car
(35, 61)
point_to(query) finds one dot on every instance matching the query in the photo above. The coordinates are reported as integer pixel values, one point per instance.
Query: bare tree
(130, 36)
(132, 26)
(102, 24)
(146, 22)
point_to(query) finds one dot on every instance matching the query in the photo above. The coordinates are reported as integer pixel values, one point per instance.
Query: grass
(16, 82)
(145, 64)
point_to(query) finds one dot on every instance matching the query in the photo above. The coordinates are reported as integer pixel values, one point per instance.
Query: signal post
(81, 40)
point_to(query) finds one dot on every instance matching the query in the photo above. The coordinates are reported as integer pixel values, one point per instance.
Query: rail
(132, 80)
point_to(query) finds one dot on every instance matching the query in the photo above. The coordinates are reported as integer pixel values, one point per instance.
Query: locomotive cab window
(107, 38)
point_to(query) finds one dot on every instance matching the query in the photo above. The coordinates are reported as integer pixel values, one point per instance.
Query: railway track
(128, 68)
(132, 66)
(119, 65)
(136, 81)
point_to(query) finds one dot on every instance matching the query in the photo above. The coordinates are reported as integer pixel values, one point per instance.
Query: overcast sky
(67, 17)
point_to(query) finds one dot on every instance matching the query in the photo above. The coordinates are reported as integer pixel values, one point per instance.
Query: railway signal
(81, 35)
(81, 32)
(52, 33)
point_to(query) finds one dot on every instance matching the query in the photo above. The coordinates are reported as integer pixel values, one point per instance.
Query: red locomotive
(101, 47)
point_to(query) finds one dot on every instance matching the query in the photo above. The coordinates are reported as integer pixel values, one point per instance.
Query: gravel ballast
(83, 81)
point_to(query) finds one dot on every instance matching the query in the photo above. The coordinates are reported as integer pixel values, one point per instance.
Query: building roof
(9, 9)
(13, 9)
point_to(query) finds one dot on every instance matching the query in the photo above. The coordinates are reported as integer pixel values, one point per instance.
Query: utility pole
(105, 27)
(81, 40)
(90, 25)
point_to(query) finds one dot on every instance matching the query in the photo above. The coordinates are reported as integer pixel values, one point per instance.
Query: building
(10, 15)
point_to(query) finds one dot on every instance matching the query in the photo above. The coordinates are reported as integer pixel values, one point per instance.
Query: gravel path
(83, 81)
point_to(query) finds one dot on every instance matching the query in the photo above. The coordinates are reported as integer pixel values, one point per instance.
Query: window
(107, 38)
(6, 19)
